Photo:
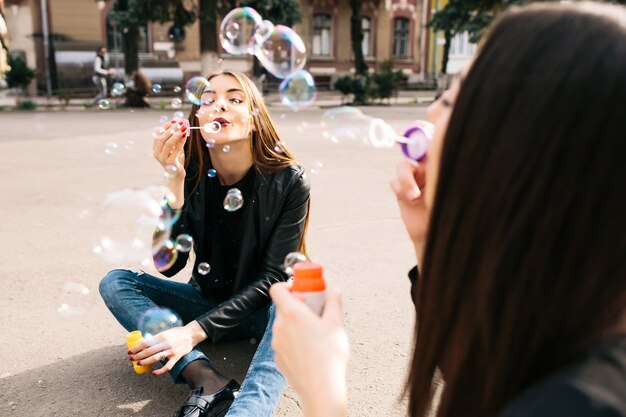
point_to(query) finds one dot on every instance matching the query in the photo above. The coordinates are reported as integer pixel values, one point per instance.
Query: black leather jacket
(272, 227)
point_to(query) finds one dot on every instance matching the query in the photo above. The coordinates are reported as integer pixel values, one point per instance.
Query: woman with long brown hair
(518, 219)
(245, 202)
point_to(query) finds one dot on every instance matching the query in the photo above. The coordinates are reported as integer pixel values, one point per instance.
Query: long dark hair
(525, 259)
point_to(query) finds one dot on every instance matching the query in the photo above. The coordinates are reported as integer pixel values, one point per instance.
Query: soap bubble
(165, 256)
(117, 89)
(184, 243)
(226, 148)
(210, 143)
(279, 147)
(156, 88)
(176, 89)
(179, 115)
(157, 320)
(129, 144)
(291, 259)
(344, 123)
(104, 104)
(74, 299)
(282, 53)
(238, 29)
(233, 200)
(177, 103)
(110, 148)
(194, 89)
(212, 173)
(263, 31)
(297, 90)
(212, 127)
(163, 119)
(317, 166)
(125, 225)
(204, 268)
(157, 132)
(170, 171)
(381, 135)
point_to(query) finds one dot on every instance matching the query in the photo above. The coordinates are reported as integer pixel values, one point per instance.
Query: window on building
(115, 41)
(366, 44)
(322, 34)
(461, 46)
(400, 37)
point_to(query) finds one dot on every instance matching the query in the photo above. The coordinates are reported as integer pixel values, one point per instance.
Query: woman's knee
(115, 281)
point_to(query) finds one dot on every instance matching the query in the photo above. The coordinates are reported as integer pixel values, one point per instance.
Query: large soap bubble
(157, 320)
(238, 29)
(282, 52)
(298, 90)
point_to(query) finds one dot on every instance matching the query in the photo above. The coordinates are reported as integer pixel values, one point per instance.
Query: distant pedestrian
(101, 71)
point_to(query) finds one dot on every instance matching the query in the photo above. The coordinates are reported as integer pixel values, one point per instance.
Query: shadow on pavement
(103, 383)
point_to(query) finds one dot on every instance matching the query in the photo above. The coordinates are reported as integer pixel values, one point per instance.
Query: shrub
(27, 105)
(19, 76)
(386, 81)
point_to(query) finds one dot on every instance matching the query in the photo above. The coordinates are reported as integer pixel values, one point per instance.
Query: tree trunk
(208, 37)
(446, 51)
(356, 30)
(131, 50)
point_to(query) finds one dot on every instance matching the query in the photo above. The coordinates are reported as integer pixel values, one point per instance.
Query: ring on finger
(162, 356)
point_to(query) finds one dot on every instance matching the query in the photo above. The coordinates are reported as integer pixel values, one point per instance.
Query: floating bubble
(165, 256)
(291, 259)
(157, 320)
(179, 115)
(194, 89)
(104, 104)
(170, 171)
(302, 127)
(163, 119)
(129, 144)
(279, 147)
(157, 132)
(262, 32)
(282, 52)
(317, 166)
(212, 127)
(117, 89)
(233, 200)
(176, 89)
(74, 299)
(297, 90)
(210, 143)
(212, 173)
(177, 103)
(110, 148)
(204, 268)
(184, 243)
(344, 123)
(238, 29)
(283, 115)
(126, 223)
(156, 88)
(226, 148)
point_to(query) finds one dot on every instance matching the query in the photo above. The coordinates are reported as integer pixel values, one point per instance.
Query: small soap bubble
(129, 144)
(194, 88)
(170, 171)
(283, 115)
(163, 119)
(238, 29)
(110, 148)
(317, 166)
(177, 89)
(210, 143)
(253, 341)
(179, 115)
(177, 103)
(212, 173)
(104, 104)
(233, 200)
(298, 90)
(302, 127)
(117, 89)
(156, 88)
(204, 268)
(157, 320)
(212, 127)
(184, 243)
(165, 256)
(157, 132)
(291, 259)
(226, 148)
(282, 52)
(74, 299)
(279, 147)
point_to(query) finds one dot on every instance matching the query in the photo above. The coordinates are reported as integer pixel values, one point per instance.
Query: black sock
(200, 373)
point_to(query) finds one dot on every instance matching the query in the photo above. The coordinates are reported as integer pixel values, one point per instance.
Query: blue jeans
(129, 294)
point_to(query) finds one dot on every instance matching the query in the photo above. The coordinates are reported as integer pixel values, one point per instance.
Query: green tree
(471, 16)
(356, 31)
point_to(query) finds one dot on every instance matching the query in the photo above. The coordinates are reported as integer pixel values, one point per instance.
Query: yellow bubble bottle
(132, 339)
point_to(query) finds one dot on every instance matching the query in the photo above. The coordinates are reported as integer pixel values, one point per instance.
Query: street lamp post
(46, 45)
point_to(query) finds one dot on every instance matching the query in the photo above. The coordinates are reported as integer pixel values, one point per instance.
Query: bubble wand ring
(416, 140)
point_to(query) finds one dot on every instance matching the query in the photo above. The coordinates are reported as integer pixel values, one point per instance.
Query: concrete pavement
(54, 175)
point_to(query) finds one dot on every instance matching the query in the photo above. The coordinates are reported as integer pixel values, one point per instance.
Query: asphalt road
(54, 174)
